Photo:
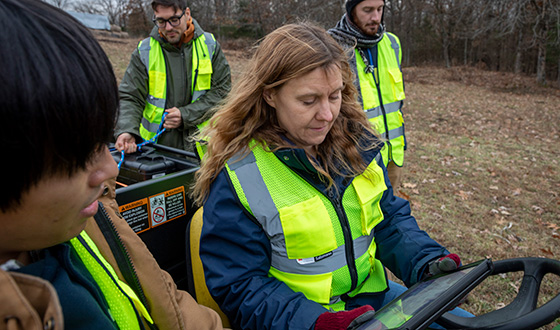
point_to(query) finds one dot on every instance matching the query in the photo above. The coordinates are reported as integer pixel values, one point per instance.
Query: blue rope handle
(146, 142)
(159, 132)
(122, 157)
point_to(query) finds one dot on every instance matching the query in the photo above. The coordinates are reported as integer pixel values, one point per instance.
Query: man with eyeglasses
(173, 81)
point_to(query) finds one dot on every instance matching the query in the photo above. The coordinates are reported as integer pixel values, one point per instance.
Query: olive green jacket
(133, 91)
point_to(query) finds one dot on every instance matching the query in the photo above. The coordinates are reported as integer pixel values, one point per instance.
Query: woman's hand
(342, 319)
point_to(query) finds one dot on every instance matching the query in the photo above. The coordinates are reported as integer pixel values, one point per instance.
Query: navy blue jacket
(83, 304)
(235, 252)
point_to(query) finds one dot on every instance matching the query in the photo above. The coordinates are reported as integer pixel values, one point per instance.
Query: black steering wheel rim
(521, 313)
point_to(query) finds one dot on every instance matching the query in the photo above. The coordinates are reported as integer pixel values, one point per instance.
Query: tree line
(521, 36)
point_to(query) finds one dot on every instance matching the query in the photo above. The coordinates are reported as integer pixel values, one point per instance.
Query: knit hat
(350, 4)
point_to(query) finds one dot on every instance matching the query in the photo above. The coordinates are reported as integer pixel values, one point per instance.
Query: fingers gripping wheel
(521, 313)
(444, 264)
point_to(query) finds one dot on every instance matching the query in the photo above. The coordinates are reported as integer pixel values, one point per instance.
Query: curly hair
(286, 53)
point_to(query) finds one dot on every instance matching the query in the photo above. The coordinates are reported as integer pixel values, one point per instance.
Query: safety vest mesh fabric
(390, 78)
(153, 59)
(306, 235)
(123, 302)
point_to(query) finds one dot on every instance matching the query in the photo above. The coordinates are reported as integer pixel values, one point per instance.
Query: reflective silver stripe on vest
(395, 133)
(258, 196)
(395, 46)
(389, 108)
(144, 51)
(150, 127)
(197, 94)
(210, 43)
(338, 258)
(159, 103)
(265, 211)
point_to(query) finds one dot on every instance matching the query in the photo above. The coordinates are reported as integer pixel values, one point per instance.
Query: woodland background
(520, 36)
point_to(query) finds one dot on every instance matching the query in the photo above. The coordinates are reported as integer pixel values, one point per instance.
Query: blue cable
(122, 157)
(146, 142)
(121, 161)
(159, 132)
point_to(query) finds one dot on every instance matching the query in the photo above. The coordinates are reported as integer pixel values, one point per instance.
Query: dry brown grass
(482, 168)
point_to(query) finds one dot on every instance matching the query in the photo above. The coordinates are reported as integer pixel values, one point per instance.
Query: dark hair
(58, 100)
(176, 4)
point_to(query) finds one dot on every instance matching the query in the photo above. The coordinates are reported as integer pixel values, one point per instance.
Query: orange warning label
(147, 213)
(136, 214)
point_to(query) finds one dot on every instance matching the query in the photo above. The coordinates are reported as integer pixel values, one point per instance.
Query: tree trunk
(446, 47)
(541, 63)
(466, 52)
(518, 52)
(542, 34)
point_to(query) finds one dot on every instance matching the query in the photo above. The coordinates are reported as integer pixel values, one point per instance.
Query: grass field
(482, 167)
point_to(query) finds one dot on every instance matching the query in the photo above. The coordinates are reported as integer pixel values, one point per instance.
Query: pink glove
(444, 264)
(341, 320)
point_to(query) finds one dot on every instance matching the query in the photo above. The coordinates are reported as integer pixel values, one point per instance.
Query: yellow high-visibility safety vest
(151, 55)
(124, 304)
(309, 245)
(383, 106)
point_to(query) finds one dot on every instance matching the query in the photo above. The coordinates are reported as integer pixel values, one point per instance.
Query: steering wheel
(521, 313)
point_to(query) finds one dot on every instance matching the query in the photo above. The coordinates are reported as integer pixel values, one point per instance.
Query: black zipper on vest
(344, 224)
(195, 80)
(378, 87)
(346, 232)
(121, 254)
(348, 242)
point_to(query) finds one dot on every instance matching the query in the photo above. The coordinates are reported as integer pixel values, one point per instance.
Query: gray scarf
(347, 34)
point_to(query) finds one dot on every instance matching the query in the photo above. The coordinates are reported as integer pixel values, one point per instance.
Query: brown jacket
(28, 302)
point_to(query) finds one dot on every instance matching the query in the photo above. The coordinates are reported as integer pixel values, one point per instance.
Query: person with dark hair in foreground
(60, 267)
(299, 217)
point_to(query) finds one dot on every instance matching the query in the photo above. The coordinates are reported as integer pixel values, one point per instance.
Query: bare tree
(88, 7)
(115, 10)
(449, 18)
(137, 20)
(514, 35)
(63, 4)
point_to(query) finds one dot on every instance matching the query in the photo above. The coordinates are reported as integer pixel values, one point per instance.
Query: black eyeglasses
(173, 21)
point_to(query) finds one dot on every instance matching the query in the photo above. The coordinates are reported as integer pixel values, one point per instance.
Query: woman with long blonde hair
(299, 215)
(246, 116)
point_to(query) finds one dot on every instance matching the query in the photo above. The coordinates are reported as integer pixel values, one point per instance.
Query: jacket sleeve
(133, 91)
(169, 307)
(202, 109)
(401, 245)
(236, 253)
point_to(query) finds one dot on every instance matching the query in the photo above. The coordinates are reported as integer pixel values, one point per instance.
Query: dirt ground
(482, 167)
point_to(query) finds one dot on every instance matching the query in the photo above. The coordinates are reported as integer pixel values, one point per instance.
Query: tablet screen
(429, 297)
